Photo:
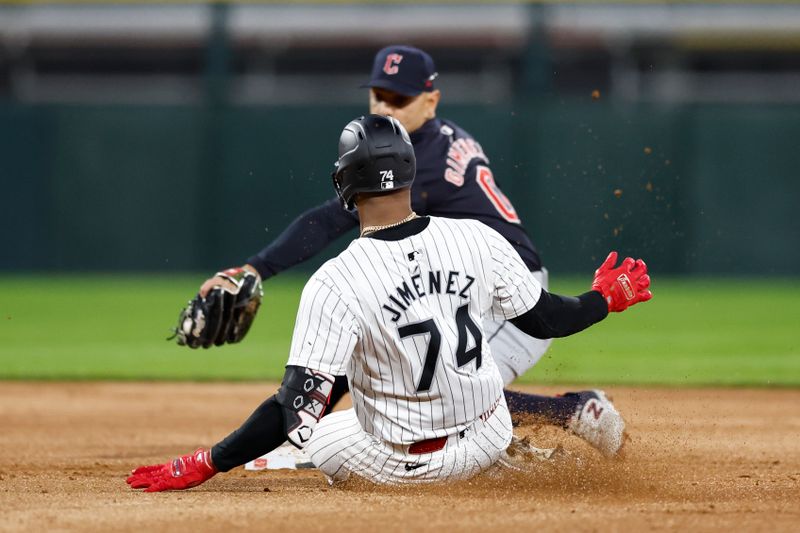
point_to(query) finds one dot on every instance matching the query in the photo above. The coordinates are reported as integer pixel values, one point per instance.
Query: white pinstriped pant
(340, 447)
(513, 351)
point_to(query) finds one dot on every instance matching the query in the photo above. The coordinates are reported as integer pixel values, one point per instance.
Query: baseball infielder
(400, 313)
(454, 180)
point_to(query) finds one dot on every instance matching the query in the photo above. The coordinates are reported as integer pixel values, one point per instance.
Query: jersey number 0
(464, 324)
(499, 200)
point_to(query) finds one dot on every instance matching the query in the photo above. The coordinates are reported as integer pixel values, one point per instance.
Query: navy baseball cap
(403, 69)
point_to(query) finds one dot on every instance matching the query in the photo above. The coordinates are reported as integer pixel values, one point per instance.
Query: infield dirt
(696, 460)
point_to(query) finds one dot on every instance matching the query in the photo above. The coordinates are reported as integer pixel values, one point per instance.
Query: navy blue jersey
(453, 180)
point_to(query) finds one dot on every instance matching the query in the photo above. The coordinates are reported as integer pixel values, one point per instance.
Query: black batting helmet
(375, 155)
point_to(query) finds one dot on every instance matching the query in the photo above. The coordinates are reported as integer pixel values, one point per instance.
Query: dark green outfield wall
(700, 189)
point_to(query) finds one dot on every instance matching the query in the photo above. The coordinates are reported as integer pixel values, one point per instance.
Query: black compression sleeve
(340, 388)
(559, 316)
(261, 433)
(306, 236)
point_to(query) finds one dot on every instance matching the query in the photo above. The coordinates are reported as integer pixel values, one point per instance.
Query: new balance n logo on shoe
(595, 409)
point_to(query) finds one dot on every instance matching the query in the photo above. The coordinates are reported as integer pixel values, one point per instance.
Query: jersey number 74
(464, 324)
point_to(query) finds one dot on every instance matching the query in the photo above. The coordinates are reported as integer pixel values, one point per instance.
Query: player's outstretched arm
(291, 413)
(212, 318)
(304, 238)
(614, 289)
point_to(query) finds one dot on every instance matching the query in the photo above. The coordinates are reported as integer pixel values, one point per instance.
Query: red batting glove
(181, 473)
(623, 286)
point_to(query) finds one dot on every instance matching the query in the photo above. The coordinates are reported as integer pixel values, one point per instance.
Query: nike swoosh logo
(409, 467)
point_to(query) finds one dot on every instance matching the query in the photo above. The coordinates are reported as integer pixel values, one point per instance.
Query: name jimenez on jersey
(435, 285)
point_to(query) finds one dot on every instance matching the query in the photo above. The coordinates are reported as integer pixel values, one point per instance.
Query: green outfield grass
(694, 332)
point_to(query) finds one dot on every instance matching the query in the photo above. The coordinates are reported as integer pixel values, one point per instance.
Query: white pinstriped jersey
(401, 319)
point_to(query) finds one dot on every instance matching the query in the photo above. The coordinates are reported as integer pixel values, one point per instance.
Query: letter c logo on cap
(392, 60)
